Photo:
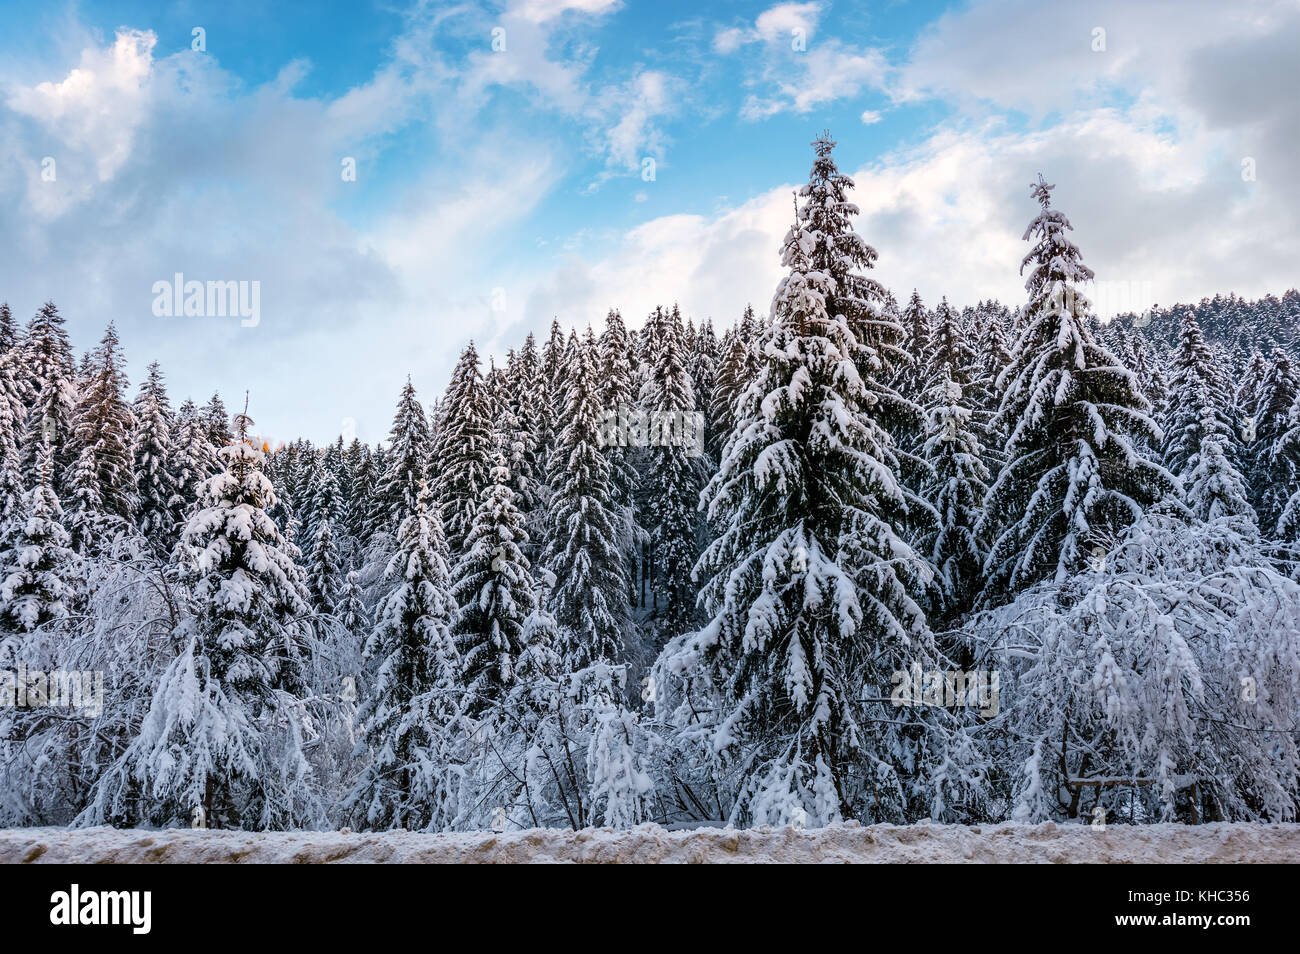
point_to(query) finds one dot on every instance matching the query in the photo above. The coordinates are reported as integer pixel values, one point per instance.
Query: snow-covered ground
(1045, 843)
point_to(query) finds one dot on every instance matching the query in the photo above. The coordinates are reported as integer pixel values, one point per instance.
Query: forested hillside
(855, 555)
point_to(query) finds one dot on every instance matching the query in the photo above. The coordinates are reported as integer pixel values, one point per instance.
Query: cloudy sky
(523, 160)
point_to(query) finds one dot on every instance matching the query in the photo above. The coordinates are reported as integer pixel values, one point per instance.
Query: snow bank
(1045, 843)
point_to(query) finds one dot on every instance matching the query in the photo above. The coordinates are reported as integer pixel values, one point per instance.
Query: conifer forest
(853, 555)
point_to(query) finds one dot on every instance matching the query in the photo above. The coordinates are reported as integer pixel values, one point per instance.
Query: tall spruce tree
(493, 588)
(956, 490)
(1075, 476)
(1274, 464)
(158, 511)
(47, 385)
(1201, 402)
(407, 459)
(103, 429)
(465, 448)
(224, 731)
(217, 420)
(805, 575)
(37, 566)
(414, 701)
(670, 475)
(589, 599)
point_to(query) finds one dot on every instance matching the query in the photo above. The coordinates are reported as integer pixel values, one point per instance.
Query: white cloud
(816, 77)
(870, 117)
(777, 26)
(94, 113)
(947, 218)
(540, 11)
(792, 71)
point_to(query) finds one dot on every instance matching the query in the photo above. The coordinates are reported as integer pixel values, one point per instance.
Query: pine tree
(805, 572)
(1213, 485)
(1246, 395)
(224, 730)
(407, 459)
(527, 467)
(956, 490)
(37, 564)
(465, 449)
(217, 421)
(9, 336)
(323, 572)
(735, 371)
(915, 378)
(1075, 477)
(194, 459)
(47, 385)
(324, 503)
(1274, 464)
(248, 588)
(1201, 401)
(670, 486)
(351, 608)
(12, 417)
(413, 704)
(492, 585)
(102, 434)
(589, 601)
(158, 514)
(704, 361)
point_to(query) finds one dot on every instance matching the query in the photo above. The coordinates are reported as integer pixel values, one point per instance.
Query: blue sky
(497, 189)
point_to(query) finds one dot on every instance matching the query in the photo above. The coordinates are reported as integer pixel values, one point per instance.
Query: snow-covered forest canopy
(856, 556)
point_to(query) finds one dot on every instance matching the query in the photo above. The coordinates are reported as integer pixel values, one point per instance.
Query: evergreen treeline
(851, 560)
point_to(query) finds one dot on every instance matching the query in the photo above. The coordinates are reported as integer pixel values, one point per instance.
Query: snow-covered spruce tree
(1201, 400)
(351, 609)
(915, 377)
(158, 513)
(365, 514)
(1213, 486)
(102, 432)
(527, 401)
(703, 361)
(225, 727)
(956, 491)
(324, 501)
(194, 459)
(12, 418)
(1159, 687)
(217, 421)
(38, 566)
(493, 587)
(1075, 477)
(735, 371)
(1274, 464)
(90, 528)
(553, 387)
(807, 587)
(617, 402)
(1288, 451)
(465, 446)
(1246, 395)
(47, 384)
(589, 600)
(9, 334)
(323, 570)
(871, 314)
(670, 478)
(408, 458)
(409, 718)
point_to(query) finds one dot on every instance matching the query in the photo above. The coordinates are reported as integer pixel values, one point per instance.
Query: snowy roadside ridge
(1003, 843)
